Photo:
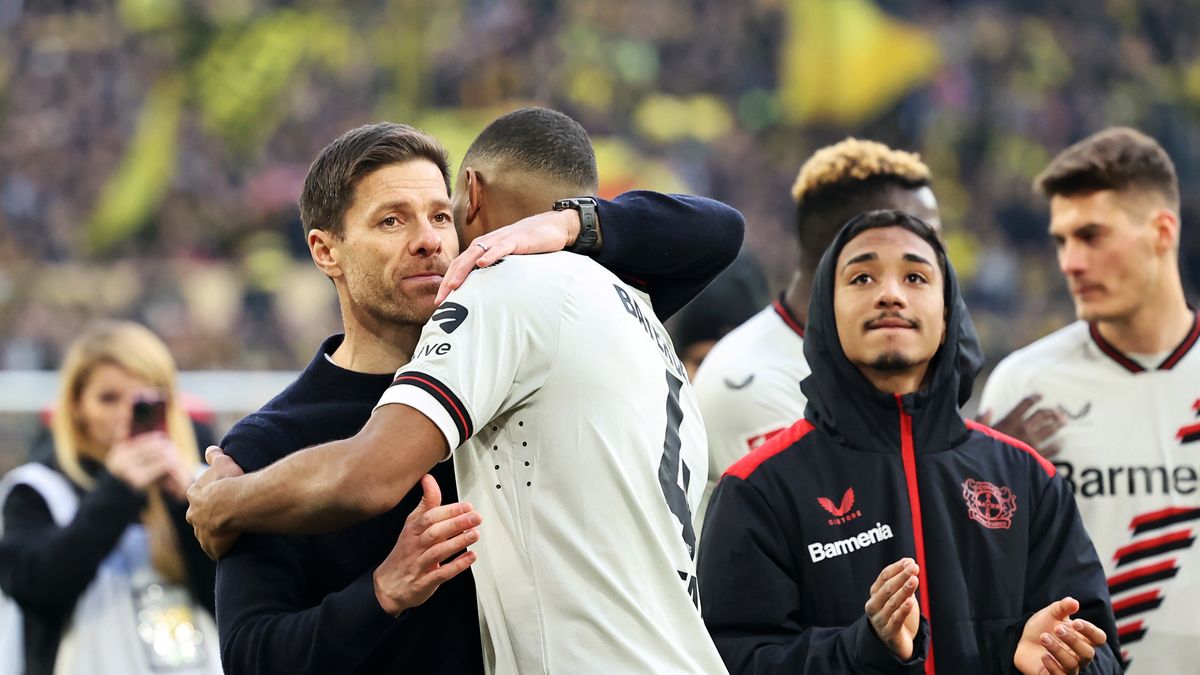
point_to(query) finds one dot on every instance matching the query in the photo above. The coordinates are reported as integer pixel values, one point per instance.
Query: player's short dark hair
(842, 180)
(329, 186)
(1119, 159)
(542, 142)
(874, 220)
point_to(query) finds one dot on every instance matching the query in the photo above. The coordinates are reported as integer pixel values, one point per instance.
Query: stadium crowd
(160, 152)
(183, 211)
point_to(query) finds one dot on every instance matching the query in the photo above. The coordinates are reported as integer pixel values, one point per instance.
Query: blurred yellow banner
(846, 60)
(135, 189)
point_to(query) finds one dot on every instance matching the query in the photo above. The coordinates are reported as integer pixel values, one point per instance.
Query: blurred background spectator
(95, 549)
(153, 150)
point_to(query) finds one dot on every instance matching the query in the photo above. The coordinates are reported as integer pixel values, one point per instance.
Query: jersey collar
(790, 319)
(1132, 366)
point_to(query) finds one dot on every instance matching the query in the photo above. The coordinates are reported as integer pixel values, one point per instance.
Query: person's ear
(476, 187)
(1166, 231)
(323, 246)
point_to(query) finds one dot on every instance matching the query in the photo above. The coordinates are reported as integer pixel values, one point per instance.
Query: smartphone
(149, 414)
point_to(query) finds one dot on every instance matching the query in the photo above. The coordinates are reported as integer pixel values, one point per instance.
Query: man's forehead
(407, 181)
(887, 242)
(1102, 207)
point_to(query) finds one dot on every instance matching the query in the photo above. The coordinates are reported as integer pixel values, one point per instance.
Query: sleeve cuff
(362, 608)
(434, 400)
(878, 658)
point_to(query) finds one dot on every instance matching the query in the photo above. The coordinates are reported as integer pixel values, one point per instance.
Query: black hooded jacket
(800, 528)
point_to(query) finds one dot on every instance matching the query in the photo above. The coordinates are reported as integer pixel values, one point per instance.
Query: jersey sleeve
(740, 413)
(488, 347)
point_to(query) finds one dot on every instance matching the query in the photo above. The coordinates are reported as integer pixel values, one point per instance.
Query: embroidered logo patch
(842, 512)
(992, 506)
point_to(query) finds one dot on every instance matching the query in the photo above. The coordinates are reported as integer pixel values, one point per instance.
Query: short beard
(892, 362)
(393, 311)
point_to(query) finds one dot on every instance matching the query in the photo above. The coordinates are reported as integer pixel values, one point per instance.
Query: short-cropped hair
(1119, 159)
(542, 142)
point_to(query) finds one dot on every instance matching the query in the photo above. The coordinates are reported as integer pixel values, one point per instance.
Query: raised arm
(671, 246)
(320, 489)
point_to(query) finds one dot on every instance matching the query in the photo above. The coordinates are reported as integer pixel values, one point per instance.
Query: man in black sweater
(375, 207)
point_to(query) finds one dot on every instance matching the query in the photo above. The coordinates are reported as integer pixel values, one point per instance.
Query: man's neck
(375, 350)
(1155, 327)
(797, 295)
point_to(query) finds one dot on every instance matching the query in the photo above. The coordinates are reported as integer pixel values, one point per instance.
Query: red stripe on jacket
(775, 445)
(1047, 465)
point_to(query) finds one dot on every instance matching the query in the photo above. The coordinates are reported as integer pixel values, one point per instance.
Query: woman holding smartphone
(95, 550)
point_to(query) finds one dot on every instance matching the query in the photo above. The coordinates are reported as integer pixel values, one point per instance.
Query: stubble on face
(892, 362)
(392, 268)
(384, 298)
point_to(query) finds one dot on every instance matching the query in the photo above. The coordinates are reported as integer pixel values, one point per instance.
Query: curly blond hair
(845, 179)
(857, 160)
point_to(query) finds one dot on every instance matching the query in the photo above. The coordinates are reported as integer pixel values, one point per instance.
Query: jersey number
(669, 476)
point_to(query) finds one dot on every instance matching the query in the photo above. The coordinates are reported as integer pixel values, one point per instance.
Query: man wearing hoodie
(884, 533)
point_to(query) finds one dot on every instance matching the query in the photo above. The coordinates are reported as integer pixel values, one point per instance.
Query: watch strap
(587, 242)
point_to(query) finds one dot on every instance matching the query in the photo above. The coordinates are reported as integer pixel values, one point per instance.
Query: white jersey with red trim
(1131, 450)
(749, 388)
(577, 438)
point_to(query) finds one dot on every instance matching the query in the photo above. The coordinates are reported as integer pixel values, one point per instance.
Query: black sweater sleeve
(46, 567)
(751, 594)
(1062, 562)
(670, 245)
(265, 621)
(266, 624)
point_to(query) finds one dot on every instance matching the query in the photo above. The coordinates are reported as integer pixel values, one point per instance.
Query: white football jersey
(1131, 451)
(580, 443)
(749, 388)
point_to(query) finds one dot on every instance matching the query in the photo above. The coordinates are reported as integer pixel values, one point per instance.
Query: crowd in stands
(153, 152)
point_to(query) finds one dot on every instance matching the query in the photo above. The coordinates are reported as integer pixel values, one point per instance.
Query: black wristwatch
(588, 241)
